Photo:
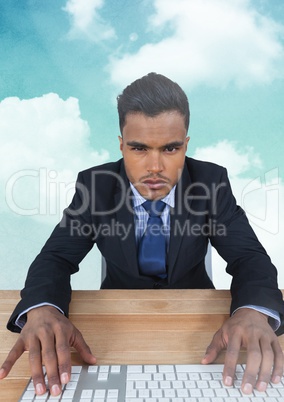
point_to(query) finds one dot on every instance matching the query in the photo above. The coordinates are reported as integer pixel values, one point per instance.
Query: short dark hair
(151, 95)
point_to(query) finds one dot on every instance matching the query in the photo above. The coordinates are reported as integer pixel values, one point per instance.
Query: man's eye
(138, 149)
(170, 149)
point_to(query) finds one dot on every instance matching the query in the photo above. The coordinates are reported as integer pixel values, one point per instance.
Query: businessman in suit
(108, 209)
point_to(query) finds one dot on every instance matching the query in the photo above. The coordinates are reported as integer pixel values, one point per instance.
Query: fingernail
(55, 390)
(262, 386)
(39, 389)
(276, 380)
(247, 388)
(64, 378)
(2, 372)
(228, 381)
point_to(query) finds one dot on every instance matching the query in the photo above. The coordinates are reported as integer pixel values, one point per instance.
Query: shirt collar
(169, 199)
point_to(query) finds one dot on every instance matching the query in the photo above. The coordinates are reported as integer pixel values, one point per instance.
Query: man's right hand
(48, 336)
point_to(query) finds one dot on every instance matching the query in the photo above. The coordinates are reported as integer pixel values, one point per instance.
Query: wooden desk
(130, 326)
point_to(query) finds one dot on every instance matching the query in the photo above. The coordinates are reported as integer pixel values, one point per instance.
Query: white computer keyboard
(154, 383)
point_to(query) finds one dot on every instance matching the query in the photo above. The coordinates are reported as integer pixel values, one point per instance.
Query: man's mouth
(154, 184)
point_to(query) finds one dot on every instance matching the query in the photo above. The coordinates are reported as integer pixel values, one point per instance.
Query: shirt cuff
(22, 318)
(273, 316)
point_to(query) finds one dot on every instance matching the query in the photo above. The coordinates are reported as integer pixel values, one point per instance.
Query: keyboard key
(153, 384)
(177, 384)
(195, 393)
(92, 369)
(103, 369)
(28, 395)
(134, 369)
(233, 392)
(140, 384)
(115, 369)
(139, 376)
(156, 393)
(100, 393)
(42, 397)
(56, 398)
(86, 393)
(169, 393)
(102, 376)
(130, 385)
(76, 369)
(206, 376)
(71, 385)
(112, 393)
(199, 368)
(182, 376)
(158, 376)
(74, 377)
(68, 393)
(214, 384)
(272, 392)
(131, 393)
(170, 376)
(165, 384)
(182, 393)
(202, 384)
(209, 393)
(166, 368)
(143, 393)
(221, 392)
(150, 368)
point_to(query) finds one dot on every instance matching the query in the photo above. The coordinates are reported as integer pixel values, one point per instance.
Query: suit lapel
(178, 217)
(125, 215)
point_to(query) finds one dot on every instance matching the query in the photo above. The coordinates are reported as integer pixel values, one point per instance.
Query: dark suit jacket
(101, 211)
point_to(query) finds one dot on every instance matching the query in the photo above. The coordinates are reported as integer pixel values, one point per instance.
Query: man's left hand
(248, 329)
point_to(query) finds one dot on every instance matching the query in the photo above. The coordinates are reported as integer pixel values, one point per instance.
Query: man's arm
(248, 329)
(48, 334)
(254, 282)
(48, 279)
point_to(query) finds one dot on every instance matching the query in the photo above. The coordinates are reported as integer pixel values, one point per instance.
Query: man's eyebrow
(173, 144)
(136, 144)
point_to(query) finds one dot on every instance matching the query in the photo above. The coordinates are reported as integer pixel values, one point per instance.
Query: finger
(83, 349)
(213, 349)
(277, 372)
(14, 354)
(35, 362)
(231, 359)
(49, 357)
(254, 358)
(264, 374)
(63, 356)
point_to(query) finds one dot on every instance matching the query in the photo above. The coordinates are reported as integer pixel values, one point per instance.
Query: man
(198, 207)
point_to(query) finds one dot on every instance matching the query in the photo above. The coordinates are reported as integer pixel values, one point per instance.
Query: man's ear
(120, 142)
(186, 143)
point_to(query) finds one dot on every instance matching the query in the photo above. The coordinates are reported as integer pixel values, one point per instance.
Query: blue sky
(64, 62)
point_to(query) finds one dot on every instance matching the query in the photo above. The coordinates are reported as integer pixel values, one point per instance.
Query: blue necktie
(152, 247)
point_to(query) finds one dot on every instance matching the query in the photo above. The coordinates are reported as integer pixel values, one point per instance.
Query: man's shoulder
(198, 169)
(114, 167)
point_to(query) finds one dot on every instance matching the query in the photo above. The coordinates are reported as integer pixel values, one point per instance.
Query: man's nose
(155, 162)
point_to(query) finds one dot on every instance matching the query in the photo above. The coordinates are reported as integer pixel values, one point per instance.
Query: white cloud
(212, 42)
(86, 21)
(261, 196)
(240, 161)
(44, 143)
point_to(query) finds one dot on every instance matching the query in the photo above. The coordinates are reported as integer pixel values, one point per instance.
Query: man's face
(154, 149)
